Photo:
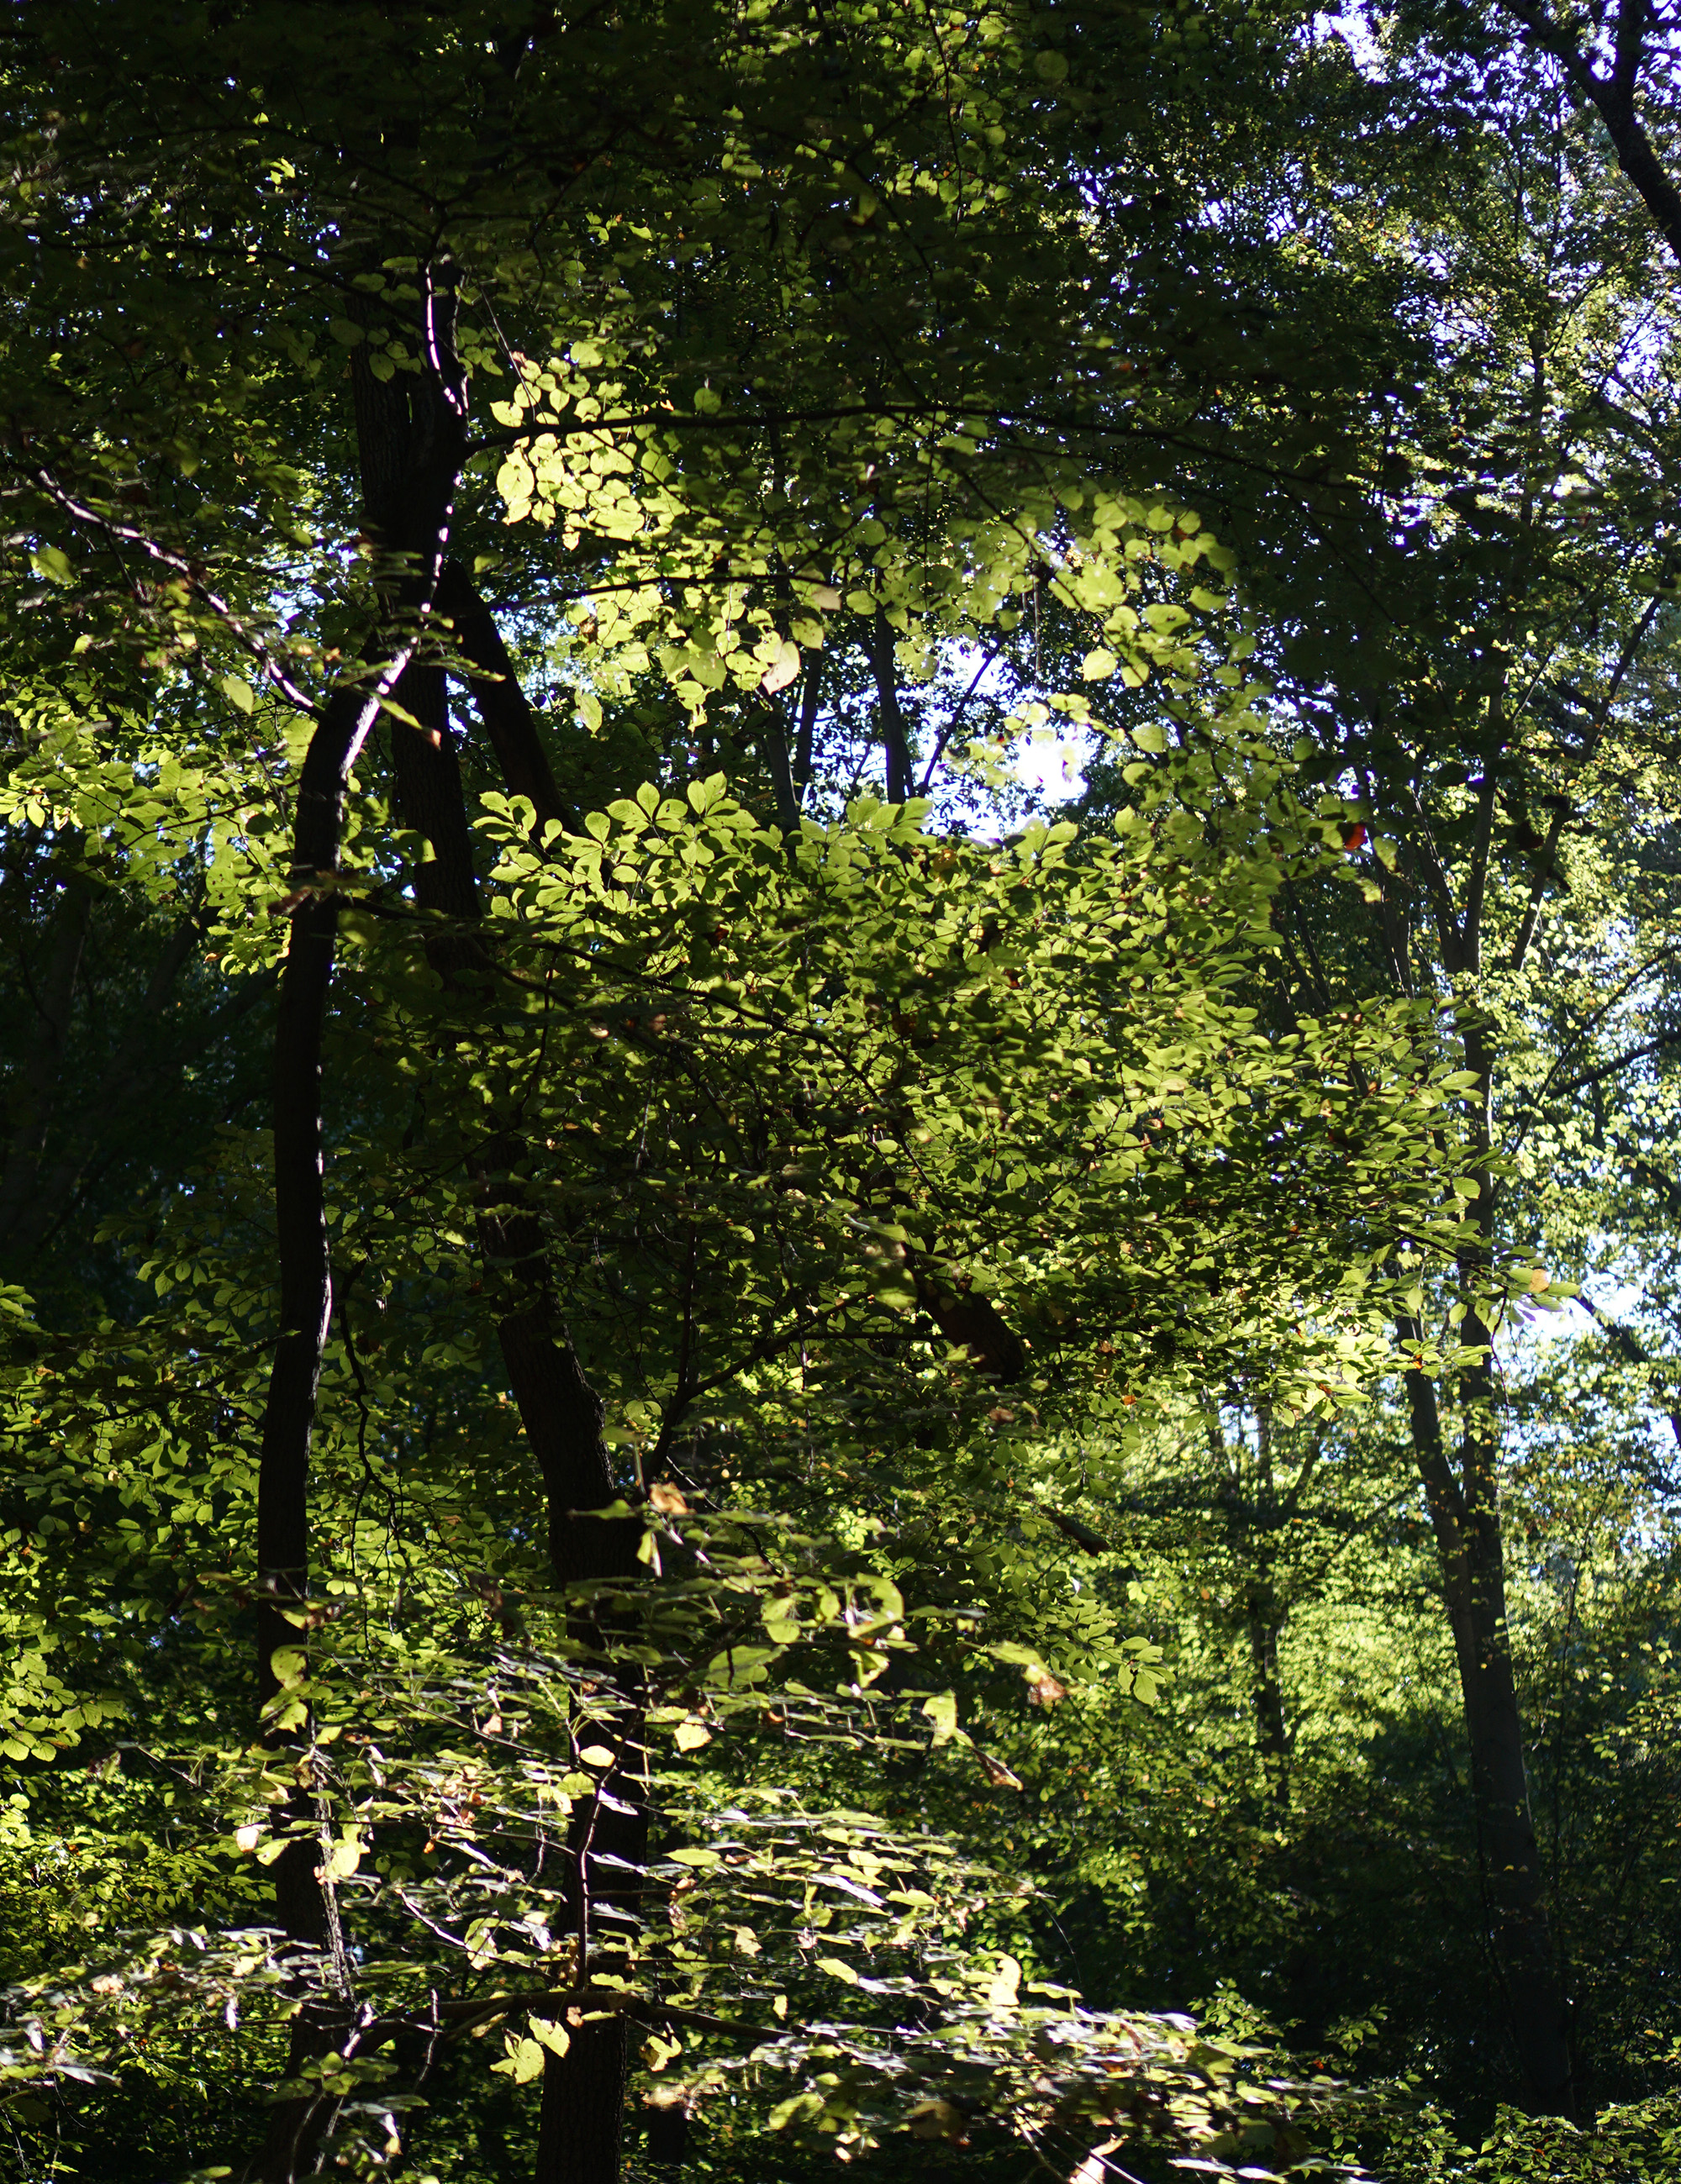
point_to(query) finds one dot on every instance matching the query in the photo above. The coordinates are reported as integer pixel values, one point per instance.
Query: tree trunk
(1466, 1519)
(416, 512)
(1271, 1736)
(580, 2135)
(502, 707)
(889, 714)
(583, 2096)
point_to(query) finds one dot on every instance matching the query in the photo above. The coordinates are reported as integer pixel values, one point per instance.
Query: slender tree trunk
(1266, 1621)
(502, 706)
(411, 531)
(1271, 1736)
(889, 714)
(302, 1905)
(805, 737)
(774, 742)
(583, 2097)
(1466, 1517)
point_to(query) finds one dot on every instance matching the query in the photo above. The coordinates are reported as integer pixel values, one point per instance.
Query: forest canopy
(840, 1319)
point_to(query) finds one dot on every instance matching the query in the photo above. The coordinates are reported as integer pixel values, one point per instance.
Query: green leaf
(941, 1710)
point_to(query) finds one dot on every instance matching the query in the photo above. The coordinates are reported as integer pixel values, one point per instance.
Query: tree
(1469, 539)
(440, 202)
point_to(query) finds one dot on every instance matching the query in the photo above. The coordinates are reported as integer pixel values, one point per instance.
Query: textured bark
(580, 2135)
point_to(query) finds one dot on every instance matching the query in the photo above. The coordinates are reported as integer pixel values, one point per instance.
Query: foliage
(1002, 1263)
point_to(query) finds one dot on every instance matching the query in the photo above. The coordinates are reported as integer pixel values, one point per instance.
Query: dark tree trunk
(302, 1907)
(1466, 1517)
(889, 714)
(409, 524)
(805, 737)
(580, 2134)
(584, 2091)
(508, 721)
(1272, 1735)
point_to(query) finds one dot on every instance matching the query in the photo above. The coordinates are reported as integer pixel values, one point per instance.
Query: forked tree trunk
(415, 538)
